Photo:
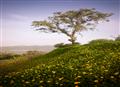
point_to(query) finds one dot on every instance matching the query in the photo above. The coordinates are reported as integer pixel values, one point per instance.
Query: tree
(72, 22)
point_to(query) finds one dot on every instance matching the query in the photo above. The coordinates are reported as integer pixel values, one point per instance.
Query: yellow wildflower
(91, 73)
(78, 76)
(106, 70)
(96, 81)
(48, 81)
(27, 82)
(61, 84)
(33, 80)
(61, 78)
(116, 73)
(41, 81)
(76, 83)
(12, 81)
(111, 77)
(23, 80)
(53, 72)
(84, 73)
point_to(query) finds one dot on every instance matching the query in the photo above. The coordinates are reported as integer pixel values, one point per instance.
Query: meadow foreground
(96, 64)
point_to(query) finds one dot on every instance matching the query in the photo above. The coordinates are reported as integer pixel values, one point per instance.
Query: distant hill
(23, 49)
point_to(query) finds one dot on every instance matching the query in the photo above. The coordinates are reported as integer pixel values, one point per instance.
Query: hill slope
(91, 65)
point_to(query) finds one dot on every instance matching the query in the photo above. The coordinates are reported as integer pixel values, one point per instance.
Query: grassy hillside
(92, 65)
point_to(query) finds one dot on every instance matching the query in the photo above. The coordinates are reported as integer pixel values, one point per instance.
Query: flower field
(90, 65)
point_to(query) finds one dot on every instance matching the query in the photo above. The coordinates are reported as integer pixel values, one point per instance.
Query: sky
(16, 17)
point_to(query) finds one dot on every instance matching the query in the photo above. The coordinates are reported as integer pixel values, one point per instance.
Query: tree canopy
(72, 22)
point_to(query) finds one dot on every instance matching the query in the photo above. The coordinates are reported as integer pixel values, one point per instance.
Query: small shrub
(31, 54)
(66, 45)
(100, 41)
(117, 38)
(4, 56)
(59, 45)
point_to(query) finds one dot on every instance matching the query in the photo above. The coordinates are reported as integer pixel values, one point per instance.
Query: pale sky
(17, 16)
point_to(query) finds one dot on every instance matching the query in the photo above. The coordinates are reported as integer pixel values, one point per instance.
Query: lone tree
(71, 23)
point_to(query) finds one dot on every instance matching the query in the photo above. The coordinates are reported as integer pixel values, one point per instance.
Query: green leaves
(44, 26)
(42, 23)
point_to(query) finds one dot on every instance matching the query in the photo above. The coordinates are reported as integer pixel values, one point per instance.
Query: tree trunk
(72, 39)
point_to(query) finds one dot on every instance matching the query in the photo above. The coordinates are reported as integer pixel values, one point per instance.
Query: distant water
(23, 49)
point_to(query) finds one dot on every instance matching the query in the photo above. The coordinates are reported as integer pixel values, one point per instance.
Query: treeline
(29, 54)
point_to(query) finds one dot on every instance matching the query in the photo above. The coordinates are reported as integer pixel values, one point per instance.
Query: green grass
(21, 63)
(90, 65)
